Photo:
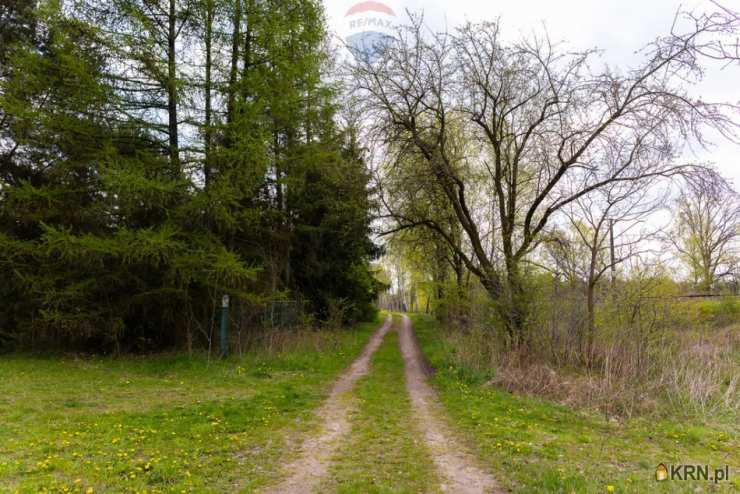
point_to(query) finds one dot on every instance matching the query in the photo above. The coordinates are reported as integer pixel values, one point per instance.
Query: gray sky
(619, 27)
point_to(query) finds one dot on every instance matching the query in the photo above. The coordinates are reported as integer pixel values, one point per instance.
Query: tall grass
(651, 355)
(282, 340)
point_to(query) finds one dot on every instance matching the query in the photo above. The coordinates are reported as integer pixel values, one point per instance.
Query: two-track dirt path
(456, 465)
(309, 469)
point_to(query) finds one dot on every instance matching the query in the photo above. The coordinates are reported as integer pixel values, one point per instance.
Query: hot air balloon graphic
(370, 27)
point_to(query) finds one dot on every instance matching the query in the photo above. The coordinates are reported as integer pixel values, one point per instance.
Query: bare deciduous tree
(542, 119)
(592, 249)
(722, 25)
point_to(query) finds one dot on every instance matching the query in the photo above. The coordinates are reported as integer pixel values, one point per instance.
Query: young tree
(593, 249)
(706, 231)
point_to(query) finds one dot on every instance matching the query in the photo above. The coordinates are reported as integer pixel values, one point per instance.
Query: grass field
(173, 424)
(162, 424)
(534, 446)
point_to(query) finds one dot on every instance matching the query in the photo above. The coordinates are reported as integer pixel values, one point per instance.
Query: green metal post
(225, 326)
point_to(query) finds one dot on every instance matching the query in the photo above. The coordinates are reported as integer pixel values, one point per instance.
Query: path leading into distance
(307, 471)
(456, 465)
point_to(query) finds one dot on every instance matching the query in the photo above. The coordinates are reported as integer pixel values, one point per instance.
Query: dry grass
(635, 371)
(705, 373)
(536, 446)
(283, 340)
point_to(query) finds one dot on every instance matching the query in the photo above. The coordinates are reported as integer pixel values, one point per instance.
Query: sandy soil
(306, 473)
(457, 467)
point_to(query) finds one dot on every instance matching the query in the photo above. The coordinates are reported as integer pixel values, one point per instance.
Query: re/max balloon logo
(371, 22)
(371, 26)
(370, 15)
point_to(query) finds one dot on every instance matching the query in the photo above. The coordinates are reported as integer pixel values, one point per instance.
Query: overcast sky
(619, 27)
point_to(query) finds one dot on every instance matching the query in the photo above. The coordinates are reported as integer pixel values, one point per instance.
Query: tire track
(456, 465)
(311, 466)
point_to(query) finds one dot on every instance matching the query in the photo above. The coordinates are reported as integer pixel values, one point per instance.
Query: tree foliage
(706, 231)
(155, 155)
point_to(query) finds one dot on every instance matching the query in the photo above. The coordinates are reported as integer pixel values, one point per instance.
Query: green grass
(534, 446)
(384, 453)
(162, 423)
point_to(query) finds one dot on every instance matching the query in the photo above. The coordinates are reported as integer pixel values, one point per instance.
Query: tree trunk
(588, 342)
(459, 274)
(247, 56)
(236, 34)
(514, 305)
(706, 274)
(172, 91)
(207, 90)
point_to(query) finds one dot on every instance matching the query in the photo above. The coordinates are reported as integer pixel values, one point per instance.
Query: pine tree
(140, 181)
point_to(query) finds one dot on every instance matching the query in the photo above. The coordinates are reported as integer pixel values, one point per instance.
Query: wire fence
(282, 313)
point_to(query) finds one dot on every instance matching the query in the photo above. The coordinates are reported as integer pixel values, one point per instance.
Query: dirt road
(311, 466)
(456, 465)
